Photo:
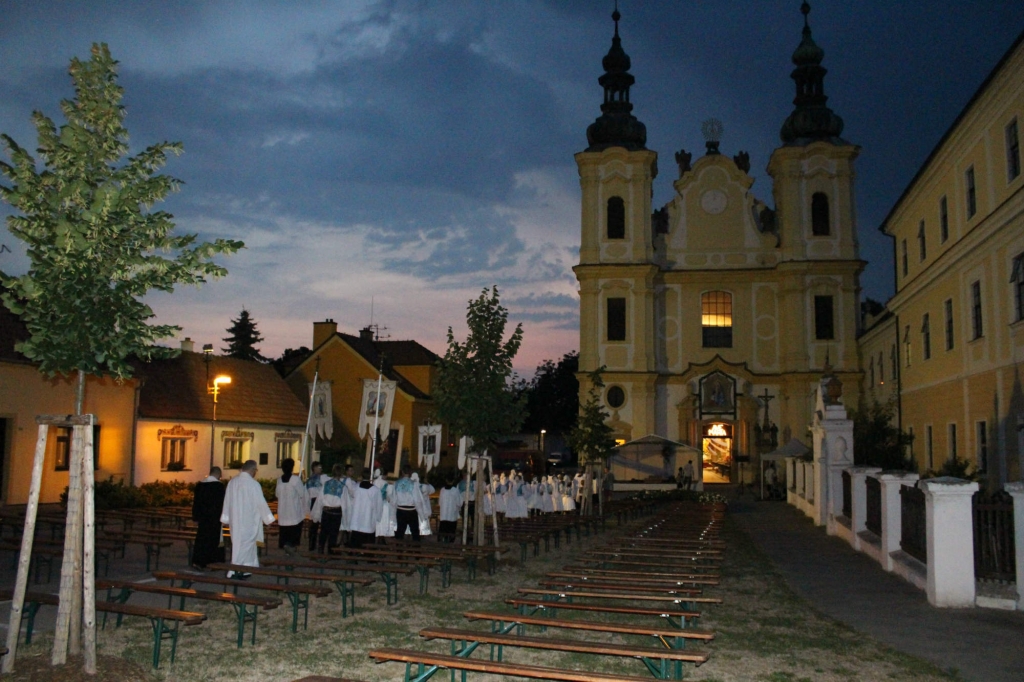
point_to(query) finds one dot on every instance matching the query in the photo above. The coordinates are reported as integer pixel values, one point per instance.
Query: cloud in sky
(413, 153)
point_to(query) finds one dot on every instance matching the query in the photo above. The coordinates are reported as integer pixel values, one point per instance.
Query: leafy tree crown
(471, 389)
(592, 438)
(95, 248)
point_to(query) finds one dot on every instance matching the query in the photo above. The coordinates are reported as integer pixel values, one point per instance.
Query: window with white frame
(172, 454)
(716, 319)
(234, 452)
(287, 446)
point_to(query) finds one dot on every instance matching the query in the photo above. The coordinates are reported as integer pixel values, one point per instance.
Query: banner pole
(376, 418)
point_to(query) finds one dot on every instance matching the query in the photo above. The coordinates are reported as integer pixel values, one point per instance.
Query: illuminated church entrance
(717, 446)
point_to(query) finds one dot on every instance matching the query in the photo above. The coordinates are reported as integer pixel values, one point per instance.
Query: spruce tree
(243, 339)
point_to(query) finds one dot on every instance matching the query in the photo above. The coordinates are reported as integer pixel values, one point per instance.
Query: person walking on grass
(207, 506)
(246, 511)
(314, 488)
(330, 507)
(292, 507)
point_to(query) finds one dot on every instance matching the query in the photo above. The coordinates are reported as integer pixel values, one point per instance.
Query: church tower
(616, 271)
(813, 179)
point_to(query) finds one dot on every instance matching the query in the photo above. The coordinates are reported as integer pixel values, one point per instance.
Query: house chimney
(188, 345)
(366, 334)
(323, 331)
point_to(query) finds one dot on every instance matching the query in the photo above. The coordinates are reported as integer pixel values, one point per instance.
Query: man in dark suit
(206, 510)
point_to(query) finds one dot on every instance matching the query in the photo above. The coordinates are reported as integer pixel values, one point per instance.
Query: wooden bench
(530, 606)
(153, 544)
(671, 637)
(298, 595)
(158, 618)
(345, 584)
(241, 603)
(684, 594)
(420, 563)
(428, 664)
(388, 573)
(641, 577)
(657, 659)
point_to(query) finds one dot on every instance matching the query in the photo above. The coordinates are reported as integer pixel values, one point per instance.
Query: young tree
(879, 441)
(472, 392)
(591, 438)
(95, 249)
(553, 396)
(243, 339)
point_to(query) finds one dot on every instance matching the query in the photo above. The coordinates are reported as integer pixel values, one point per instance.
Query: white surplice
(246, 511)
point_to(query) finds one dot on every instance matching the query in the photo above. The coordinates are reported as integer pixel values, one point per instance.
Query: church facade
(715, 315)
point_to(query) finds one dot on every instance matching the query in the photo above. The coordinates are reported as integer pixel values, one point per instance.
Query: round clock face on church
(713, 201)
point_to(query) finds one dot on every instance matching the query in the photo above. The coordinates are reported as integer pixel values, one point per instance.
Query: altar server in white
(365, 511)
(246, 511)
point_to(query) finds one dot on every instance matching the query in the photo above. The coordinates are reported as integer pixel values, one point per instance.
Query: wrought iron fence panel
(873, 515)
(847, 495)
(913, 525)
(994, 545)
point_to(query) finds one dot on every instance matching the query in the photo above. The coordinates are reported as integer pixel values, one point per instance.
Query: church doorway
(717, 448)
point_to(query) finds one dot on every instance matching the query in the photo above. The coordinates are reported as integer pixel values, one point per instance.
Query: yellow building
(346, 361)
(715, 304)
(25, 393)
(958, 232)
(879, 355)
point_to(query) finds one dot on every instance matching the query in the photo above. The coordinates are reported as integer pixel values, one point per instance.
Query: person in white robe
(386, 523)
(365, 511)
(555, 490)
(544, 489)
(489, 499)
(450, 502)
(292, 507)
(423, 508)
(500, 487)
(405, 503)
(246, 511)
(314, 488)
(568, 501)
(347, 498)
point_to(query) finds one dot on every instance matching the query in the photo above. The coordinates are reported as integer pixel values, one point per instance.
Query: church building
(716, 315)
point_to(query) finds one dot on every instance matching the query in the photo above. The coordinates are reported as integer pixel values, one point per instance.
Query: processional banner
(430, 445)
(322, 423)
(376, 406)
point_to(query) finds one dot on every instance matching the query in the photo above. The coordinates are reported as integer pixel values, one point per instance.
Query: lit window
(287, 448)
(716, 319)
(62, 451)
(233, 452)
(172, 456)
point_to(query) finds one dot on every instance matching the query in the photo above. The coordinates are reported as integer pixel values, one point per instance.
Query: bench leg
(424, 572)
(446, 573)
(348, 594)
(31, 609)
(391, 583)
(299, 601)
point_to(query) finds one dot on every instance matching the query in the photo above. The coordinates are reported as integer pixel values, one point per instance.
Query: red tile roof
(176, 389)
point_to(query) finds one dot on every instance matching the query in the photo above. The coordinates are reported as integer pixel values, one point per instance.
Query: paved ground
(981, 644)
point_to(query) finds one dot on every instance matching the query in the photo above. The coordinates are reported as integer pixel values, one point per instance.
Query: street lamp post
(214, 390)
(542, 453)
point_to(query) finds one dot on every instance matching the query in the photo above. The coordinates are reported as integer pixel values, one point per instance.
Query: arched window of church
(716, 319)
(616, 218)
(819, 215)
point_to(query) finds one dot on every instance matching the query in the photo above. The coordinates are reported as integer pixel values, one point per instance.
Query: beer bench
(241, 603)
(428, 664)
(531, 606)
(158, 618)
(345, 584)
(298, 595)
(657, 659)
(387, 572)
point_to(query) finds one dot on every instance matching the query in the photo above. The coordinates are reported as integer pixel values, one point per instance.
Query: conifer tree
(243, 339)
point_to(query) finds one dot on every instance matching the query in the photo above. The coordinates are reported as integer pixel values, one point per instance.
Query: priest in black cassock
(206, 510)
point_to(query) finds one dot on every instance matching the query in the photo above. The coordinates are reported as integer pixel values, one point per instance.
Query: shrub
(269, 486)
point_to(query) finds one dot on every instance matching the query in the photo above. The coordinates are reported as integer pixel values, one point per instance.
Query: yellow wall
(979, 379)
(26, 393)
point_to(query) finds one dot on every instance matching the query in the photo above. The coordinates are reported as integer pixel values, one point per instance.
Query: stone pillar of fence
(892, 516)
(859, 501)
(950, 527)
(1016, 491)
(832, 436)
(791, 480)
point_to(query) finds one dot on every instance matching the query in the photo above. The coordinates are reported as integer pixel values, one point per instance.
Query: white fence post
(950, 528)
(892, 513)
(1016, 490)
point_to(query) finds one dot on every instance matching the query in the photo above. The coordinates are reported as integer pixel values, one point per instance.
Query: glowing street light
(213, 389)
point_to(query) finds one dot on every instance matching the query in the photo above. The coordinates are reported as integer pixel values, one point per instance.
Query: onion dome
(811, 120)
(616, 126)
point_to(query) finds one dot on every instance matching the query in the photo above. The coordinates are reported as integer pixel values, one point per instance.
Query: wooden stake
(88, 555)
(465, 508)
(494, 508)
(478, 525)
(72, 532)
(28, 535)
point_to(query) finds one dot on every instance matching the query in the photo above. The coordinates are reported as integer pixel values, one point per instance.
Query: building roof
(401, 353)
(175, 389)
(952, 128)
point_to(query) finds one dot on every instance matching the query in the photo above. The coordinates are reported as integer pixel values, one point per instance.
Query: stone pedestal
(1017, 491)
(832, 434)
(859, 501)
(950, 531)
(892, 517)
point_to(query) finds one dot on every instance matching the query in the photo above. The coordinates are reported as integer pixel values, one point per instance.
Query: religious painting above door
(717, 395)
